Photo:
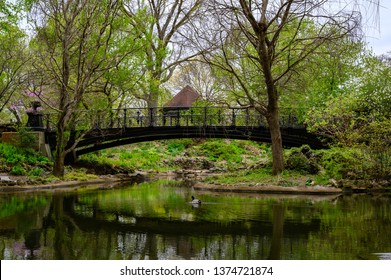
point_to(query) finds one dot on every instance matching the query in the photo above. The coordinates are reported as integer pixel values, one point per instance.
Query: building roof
(185, 98)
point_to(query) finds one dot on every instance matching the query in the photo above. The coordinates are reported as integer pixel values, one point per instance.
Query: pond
(156, 221)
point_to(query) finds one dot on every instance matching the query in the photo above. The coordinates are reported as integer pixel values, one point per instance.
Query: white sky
(380, 40)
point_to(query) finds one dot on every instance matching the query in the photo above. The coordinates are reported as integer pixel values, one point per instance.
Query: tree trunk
(276, 139)
(153, 98)
(59, 162)
(152, 104)
(278, 232)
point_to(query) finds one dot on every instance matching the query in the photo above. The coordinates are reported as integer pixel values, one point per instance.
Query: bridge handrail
(173, 116)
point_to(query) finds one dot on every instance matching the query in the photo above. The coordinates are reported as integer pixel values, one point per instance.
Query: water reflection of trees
(99, 235)
(68, 229)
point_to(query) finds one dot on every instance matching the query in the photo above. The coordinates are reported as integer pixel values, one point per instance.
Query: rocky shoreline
(10, 184)
(103, 182)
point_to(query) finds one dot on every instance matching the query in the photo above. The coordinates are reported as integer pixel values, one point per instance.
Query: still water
(156, 221)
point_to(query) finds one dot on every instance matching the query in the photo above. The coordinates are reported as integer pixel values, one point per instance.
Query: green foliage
(358, 120)
(184, 154)
(342, 162)
(378, 149)
(78, 174)
(261, 176)
(175, 148)
(22, 161)
(338, 119)
(324, 76)
(144, 156)
(147, 156)
(178, 146)
(36, 172)
(221, 150)
(373, 87)
(16, 204)
(18, 170)
(302, 160)
(25, 137)
(13, 57)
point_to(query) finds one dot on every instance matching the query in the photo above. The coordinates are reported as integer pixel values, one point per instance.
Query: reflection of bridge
(91, 217)
(126, 126)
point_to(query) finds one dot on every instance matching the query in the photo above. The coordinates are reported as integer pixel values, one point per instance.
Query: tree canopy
(83, 56)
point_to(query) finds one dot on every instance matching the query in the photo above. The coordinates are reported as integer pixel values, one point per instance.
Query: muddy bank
(112, 181)
(104, 182)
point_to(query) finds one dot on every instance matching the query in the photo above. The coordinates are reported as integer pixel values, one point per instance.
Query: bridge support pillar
(71, 157)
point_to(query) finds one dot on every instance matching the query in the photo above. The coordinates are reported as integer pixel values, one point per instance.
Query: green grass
(263, 175)
(237, 161)
(183, 154)
(78, 175)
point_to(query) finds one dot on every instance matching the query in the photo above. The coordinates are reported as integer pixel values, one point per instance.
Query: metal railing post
(125, 117)
(177, 118)
(205, 116)
(47, 122)
(151, 117)
(233, 117)
(138, 117)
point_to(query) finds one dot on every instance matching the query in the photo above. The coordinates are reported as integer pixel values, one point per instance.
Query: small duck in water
(194, 200)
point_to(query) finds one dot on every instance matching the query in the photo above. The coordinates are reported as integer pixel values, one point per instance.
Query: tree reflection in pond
(156, 221)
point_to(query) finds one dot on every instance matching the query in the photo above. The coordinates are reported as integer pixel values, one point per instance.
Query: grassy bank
(226, 162)
(27, 166)
(234, 161)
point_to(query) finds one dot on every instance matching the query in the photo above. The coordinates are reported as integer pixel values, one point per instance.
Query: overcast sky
(380, 40)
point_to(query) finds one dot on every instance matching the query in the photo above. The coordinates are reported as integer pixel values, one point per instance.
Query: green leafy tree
(374, 87)
(359, 116)
(327, 74)
(363, 97)
(13, 55)
(163, 26)
(72, 46)
(8, 17)
(264, 43)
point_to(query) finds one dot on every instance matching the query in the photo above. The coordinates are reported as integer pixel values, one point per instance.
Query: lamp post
(35, 120)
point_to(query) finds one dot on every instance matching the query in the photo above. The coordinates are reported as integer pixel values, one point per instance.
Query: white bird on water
(195, 201)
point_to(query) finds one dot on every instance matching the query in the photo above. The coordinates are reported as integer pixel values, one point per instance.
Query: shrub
(221, 150)
(26, 138)
(175, 148)
(378, 148)
(18, 170)
(36, 172)
(303, 160)
(343, 163)
(297, 161)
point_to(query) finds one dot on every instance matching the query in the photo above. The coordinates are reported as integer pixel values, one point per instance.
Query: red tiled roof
(185, 98)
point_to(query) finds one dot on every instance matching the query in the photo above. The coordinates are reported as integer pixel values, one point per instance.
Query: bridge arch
(291, 137)
(128, 126)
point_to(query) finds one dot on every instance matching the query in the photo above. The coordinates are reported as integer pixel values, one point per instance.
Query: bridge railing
(175, 117)
(168, 117)
(194, 116)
